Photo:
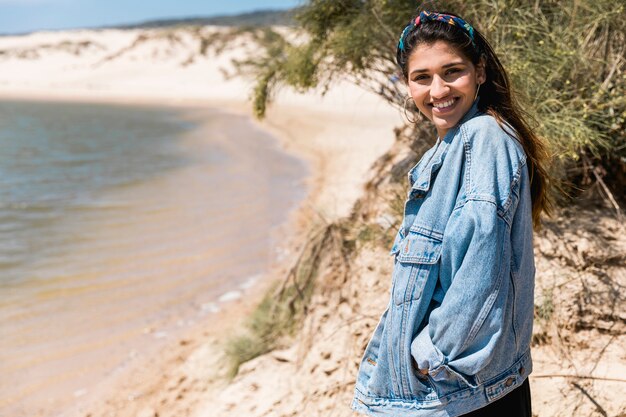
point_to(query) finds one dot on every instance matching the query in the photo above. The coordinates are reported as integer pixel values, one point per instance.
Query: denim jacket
(461, 302)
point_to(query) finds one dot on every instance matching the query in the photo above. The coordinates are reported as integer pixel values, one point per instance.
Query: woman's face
(442, 83)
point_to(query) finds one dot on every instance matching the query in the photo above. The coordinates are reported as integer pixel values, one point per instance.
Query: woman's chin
(443, 124)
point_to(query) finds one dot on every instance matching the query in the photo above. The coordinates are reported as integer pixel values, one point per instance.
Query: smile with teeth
(444, 104)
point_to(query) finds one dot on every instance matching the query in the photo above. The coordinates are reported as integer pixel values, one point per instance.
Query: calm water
(57, 159)
(118, 226)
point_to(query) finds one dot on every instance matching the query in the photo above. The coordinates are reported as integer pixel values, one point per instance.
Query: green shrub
(565, 58)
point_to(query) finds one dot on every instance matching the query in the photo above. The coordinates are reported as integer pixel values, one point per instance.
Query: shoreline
(224, 299)
(136, 387)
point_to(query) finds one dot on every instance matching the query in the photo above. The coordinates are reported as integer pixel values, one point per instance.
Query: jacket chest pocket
(417, 262)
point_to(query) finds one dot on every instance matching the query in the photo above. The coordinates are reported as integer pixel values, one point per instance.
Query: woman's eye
(453, 70)
(420, 77)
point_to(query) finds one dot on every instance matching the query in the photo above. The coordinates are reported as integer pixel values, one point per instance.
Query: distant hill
(255, 18)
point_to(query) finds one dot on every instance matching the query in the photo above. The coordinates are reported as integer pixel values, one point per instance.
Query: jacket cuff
(426, 355)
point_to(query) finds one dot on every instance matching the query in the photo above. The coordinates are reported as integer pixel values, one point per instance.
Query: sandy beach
(341, 136)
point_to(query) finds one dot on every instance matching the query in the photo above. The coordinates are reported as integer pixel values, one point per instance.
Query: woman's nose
(438, 87)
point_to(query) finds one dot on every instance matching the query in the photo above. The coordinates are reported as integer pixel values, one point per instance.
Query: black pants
(514, 404)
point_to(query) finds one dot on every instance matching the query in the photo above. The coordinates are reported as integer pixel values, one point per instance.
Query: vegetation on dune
(565, 59)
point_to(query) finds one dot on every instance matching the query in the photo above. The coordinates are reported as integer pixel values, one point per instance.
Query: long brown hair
(496, 98)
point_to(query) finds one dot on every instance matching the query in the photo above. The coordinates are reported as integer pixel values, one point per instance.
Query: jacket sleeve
(462, 332)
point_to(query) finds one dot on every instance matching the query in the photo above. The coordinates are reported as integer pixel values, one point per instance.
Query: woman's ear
(481, 72)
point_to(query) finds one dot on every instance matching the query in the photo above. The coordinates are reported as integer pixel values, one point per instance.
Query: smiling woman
(443, 83)
(456, 338)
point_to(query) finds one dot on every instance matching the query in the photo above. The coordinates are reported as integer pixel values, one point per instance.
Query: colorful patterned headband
(441, 17)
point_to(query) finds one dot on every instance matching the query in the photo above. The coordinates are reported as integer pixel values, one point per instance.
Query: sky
(20, 16)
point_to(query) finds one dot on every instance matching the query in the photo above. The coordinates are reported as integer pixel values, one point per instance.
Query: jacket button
(509, 381)
(521, 370)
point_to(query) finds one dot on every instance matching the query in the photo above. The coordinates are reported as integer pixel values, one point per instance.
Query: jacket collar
(423, 175)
